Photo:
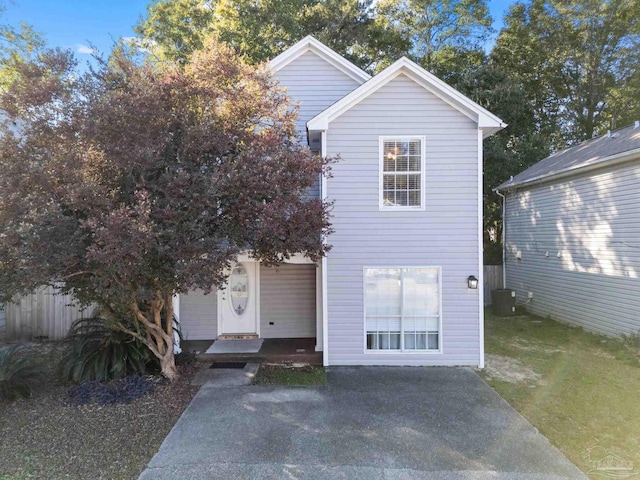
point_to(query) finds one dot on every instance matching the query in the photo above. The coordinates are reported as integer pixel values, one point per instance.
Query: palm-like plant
(19, 370)
(94, 351)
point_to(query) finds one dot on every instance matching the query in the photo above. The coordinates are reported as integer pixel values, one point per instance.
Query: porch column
(176, 313)
(319, 303)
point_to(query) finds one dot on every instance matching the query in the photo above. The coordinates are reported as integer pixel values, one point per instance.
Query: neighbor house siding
(199, 315)
(314, 84)
(288, 300)
(445, 234)
(593, 221)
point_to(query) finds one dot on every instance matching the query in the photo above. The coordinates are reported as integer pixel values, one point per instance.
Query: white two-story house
(402, 284)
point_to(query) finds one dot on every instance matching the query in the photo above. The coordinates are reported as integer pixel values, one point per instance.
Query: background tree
(135, 182)
(17, 45)
(260, 30)
(442, 36)
(509, 151)
(578, 62)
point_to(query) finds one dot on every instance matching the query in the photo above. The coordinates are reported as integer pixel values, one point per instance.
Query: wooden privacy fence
(43, 314)
(492, 280)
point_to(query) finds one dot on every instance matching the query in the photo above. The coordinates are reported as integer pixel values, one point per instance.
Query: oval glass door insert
(239, 284)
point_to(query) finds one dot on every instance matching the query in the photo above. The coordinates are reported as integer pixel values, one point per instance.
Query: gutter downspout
(504, 238)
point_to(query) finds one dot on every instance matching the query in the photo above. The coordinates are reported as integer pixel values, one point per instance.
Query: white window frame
(401, 351)
(423, 155)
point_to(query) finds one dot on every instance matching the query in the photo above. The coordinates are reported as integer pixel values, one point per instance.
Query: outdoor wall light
(472, 282)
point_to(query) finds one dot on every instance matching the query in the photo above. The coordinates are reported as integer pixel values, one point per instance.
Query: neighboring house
(407, 215)
(572, 234)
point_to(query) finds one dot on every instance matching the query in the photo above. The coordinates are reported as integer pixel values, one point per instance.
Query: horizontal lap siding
(314, 84)
(288, 299)
(199, 315)
(445, 234)
(593, 220)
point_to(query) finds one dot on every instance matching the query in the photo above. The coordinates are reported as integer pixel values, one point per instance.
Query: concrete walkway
(368, 423)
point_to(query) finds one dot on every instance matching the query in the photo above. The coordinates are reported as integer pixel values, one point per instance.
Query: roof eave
(621, 157)
(487, 122)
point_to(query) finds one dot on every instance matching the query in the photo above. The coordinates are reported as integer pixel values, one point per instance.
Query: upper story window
(402, 162)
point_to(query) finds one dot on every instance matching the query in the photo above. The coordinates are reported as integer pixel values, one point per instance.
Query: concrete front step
(238, 336)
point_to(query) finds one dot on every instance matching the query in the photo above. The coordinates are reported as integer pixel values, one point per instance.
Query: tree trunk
(168, 365)
(159, 339)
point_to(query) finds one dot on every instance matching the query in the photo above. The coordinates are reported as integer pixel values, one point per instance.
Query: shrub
(19, 369)
(124, 390)
(93, 351)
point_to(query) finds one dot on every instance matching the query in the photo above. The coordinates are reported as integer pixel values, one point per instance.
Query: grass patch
(290, 375)
(579, 389)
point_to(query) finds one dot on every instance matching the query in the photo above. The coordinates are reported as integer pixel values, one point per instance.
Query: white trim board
(310, 44)
(480, 289)
(324, 263)
(486, 120)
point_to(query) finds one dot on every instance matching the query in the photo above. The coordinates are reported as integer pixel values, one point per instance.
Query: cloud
(83, 49)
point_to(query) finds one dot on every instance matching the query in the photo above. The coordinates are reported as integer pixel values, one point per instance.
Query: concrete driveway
(368, 423)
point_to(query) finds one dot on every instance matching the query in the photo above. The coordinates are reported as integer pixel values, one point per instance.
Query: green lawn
(579, 389)
(290, 375)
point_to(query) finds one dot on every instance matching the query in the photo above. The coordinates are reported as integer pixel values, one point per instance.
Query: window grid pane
(402, 309)
(402, 174)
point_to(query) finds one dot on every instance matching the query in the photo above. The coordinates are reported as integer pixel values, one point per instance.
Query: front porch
(281, 306)
(272, 350)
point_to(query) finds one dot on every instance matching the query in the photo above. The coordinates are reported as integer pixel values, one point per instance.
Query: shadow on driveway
(368, 423)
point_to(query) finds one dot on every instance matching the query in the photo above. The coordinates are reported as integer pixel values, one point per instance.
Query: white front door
(237, 301)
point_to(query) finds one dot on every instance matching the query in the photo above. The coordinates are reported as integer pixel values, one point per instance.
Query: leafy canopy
(138, 181)
(260, 30)
(438, 34)
(17, 45)
(578, 61)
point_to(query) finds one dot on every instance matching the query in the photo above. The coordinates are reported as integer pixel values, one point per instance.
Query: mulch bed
(45, 437)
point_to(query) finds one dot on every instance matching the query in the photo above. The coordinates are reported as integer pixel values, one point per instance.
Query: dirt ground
(44, 437)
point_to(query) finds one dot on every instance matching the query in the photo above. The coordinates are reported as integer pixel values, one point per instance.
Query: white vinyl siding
(402, 309)
(199, 315)
(592, 221)
(313, 84)
(445, 233)
(401, 173)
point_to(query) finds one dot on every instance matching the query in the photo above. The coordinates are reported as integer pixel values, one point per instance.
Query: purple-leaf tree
(137, 181)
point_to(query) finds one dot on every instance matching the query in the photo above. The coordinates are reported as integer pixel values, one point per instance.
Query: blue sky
(74, 24)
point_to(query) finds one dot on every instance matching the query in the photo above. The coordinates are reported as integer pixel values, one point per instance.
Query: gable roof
(310, 44)
(486, 120)
(620, 145)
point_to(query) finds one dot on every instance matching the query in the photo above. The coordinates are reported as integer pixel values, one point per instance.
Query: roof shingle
(582, 155)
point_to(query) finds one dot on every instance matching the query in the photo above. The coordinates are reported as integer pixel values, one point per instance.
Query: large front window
(402, 308)
(401, 173)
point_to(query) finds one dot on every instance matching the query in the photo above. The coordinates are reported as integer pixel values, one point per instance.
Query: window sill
(402, 209)
(401, 352)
